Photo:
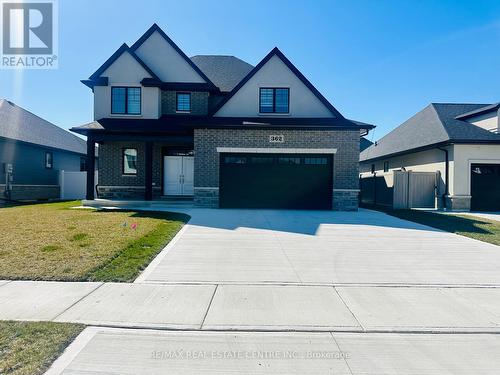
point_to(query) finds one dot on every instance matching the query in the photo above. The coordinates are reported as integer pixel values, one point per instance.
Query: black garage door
(276, 181)
(485, 187)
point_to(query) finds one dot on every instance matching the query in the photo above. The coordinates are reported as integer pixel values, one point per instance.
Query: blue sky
(377, 61)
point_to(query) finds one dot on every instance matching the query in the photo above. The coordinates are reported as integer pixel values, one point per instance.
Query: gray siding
(29, 163)
(31, 179)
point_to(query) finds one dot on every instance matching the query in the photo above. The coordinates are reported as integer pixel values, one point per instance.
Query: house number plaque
(276, 138)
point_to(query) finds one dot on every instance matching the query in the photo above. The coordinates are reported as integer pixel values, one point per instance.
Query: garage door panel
(485, 187)
(271, 181)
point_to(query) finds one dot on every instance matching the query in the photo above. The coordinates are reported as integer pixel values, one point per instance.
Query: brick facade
(346, 160)
(199, 103)
(113, 184)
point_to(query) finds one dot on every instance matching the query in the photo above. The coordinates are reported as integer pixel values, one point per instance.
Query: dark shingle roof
(435, 124)
(224, 71)
(364, 143)
(479, 111)
(21, 125)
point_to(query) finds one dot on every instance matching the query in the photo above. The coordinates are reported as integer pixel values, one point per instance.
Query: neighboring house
(460, 141)
(364, 143)
(219, 130)
(32, 152)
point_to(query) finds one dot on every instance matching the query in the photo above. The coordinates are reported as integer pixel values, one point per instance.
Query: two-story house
(219, 130)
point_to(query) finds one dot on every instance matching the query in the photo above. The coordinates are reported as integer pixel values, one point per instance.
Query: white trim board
(274, 150)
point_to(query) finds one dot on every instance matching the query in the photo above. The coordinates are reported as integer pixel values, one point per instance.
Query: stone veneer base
(206, 197)
(345, 200)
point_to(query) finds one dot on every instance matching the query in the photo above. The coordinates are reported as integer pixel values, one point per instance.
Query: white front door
(187, 175)
(178, 175)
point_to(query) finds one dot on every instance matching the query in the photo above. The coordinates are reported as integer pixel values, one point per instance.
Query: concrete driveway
(287, 292)
(320, 247)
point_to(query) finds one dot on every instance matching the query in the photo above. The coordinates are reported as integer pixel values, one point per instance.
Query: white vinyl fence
(73, 185)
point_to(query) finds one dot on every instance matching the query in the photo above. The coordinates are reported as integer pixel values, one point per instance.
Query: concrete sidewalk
(256, 307)
(131, 352)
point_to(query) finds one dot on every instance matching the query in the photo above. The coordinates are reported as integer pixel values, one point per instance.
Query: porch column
(90, 167)
(148, 193)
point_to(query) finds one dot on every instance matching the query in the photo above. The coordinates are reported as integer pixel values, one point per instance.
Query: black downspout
(446, 175)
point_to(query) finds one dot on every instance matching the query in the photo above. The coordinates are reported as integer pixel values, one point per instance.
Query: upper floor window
(49, 160)
(274, 100)
(126, 100)
(386, 166)
(183, 102)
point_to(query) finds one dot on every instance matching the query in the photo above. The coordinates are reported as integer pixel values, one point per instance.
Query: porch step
(177, 198)
(159, 205)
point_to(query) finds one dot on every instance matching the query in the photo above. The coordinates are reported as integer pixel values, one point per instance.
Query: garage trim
(469, 174)
(264, 150)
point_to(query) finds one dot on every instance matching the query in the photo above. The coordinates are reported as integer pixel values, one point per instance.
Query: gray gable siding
(29, 163)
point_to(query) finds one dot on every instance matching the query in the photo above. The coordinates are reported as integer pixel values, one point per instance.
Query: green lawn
(468, 226)
(53, 241)
(28, 348)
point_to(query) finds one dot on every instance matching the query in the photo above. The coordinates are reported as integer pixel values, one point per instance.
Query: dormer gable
(275, 71)
(124, 66)
(486, 117)
(166, 59)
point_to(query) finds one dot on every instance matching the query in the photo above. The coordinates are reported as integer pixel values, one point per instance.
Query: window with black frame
(129, 161)
(126, 100)
(274, 100)
(183, 102)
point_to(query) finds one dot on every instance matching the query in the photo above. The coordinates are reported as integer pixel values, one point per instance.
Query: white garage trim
(477, 161)
(274, 150)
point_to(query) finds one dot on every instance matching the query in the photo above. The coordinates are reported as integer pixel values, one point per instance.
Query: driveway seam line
(340, 350)
(74, 303)
(209, 306)
(275, 235)
(348, 308)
